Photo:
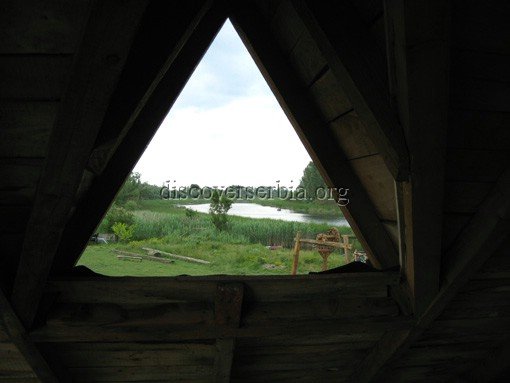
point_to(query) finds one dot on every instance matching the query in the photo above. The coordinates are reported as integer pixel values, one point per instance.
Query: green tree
(130, 191)
(311, 181)
(220, 205)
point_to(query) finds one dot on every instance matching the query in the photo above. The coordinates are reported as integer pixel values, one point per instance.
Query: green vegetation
(311, 182)
(226, 258)
(123, 231)
(233, 245)
(220, 205)
(158, 219)
(240, 249)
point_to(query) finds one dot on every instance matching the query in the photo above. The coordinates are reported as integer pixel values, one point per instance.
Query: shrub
(218, 210)
(131, 205)
(123, 231)
(114, 215)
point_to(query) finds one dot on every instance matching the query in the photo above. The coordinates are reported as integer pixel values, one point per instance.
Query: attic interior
(404, 102)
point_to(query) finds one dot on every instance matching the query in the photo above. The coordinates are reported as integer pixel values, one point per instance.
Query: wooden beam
(487, 231)
(418, 61)
(227, 311)
(16, 334)
(98, 64)
(359, 66)
(148, 103)
(315, 134)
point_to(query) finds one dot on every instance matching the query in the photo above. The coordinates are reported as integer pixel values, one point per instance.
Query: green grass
(225, 258)
(241, 249)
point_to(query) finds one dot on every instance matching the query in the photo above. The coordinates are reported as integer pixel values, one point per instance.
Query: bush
(131, 205)
(123, 231)
(115, 215)
(218, 210)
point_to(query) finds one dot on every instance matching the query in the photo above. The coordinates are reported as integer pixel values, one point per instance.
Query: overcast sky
(226, 128)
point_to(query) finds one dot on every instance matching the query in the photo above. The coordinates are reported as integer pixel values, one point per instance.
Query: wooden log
(129, 258)
(180, 257)
(142, 256)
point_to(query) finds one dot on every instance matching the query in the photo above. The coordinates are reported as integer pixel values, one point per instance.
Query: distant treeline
(135, 190)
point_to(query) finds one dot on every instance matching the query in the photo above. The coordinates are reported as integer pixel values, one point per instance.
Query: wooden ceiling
(405, 103)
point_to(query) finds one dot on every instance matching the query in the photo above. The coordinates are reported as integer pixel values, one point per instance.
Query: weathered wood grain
(360, 68)
(83, 355)
(469, 165)
(37, 366)
(286, 26)
(34, 77)
(42, 27)
(149, 290)
(379, 184)
(99, 62)
(418, 62)
(307, 60)
(329, 97)
(351, 135)
(485, 234)
(478, 130)
(25, 127)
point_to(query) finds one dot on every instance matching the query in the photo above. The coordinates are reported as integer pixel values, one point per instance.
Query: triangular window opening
(226, 137)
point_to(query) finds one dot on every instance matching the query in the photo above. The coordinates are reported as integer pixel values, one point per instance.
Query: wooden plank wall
(37, 44)
(474, 325)
(139, 329)
(478, 135)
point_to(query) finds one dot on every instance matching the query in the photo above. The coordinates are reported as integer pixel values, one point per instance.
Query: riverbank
(326, 208)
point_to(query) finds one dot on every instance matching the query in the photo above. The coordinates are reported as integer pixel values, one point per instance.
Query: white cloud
(226, 127)
(248, 141)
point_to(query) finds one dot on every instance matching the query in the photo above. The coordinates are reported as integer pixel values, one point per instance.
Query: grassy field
(241, 249)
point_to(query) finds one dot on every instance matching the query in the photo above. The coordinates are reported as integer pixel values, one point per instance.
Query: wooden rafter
(360, 68)
(418, 63)
(16, 333)
(98, 64)
(315, 135)
(486, 232)
(150, 99)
